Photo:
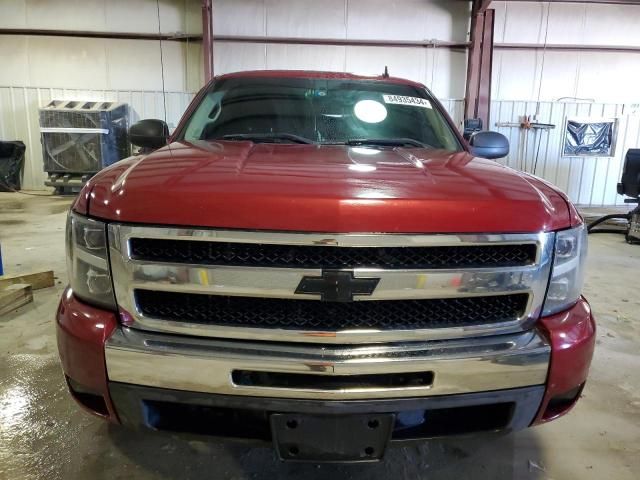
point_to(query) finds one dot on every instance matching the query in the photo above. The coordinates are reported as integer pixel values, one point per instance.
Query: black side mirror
(150, 133)
(489, 145)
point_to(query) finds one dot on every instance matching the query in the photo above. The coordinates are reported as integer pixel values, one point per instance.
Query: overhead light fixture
(370, 111)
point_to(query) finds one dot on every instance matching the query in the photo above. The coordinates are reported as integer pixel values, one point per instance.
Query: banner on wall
(593, 137)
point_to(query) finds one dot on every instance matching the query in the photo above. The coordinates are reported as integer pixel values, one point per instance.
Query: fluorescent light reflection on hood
(362, 168)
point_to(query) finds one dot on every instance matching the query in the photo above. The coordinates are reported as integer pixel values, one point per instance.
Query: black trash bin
(11, 164)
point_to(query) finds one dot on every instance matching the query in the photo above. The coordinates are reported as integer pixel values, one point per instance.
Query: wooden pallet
(17, 290)
(15, 296)
(37, 280)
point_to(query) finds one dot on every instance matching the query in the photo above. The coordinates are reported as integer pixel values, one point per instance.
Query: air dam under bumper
(248, 418)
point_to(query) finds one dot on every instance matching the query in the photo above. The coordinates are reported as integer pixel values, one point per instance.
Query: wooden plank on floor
(37, 280)
(15, 296)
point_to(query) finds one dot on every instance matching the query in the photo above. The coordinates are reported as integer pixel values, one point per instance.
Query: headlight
(567, 276)
(87, 261)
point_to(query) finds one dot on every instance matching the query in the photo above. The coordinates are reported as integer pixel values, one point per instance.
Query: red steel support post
(473, 67)
(479, 65)
(207, 39)
(486, 67)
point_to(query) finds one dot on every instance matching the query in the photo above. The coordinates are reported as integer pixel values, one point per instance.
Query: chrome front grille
(319, 256)
(245, 285)
(331, 316)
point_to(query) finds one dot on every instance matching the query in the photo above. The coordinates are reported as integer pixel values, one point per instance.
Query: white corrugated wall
(587, 180)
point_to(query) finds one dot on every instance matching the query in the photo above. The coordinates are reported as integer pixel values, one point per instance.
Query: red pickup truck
(321, 261)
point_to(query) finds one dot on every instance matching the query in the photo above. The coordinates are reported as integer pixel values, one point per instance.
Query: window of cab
(324, 111)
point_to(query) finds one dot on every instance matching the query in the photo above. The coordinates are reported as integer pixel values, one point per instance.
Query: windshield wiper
(386, 142)
(266, 137)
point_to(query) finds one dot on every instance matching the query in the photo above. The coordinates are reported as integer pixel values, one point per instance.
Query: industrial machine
(629, 186)
(80, 138)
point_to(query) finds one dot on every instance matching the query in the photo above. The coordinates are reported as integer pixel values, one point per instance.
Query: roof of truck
(318, 74)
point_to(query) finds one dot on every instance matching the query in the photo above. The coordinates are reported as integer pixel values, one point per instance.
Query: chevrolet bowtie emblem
(337, 286)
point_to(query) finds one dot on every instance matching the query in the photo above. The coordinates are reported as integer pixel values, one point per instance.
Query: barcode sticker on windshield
(411, 101)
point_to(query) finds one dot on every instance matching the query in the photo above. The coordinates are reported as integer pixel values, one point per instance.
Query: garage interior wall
(583, 81)
(35, 69)
(96, 63)
(443, 70)
(551, 83)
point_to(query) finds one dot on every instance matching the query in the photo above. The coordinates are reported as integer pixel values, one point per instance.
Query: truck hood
(328, 188)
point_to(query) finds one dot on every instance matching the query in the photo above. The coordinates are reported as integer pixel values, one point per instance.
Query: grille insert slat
(311, 256)
(329, 316)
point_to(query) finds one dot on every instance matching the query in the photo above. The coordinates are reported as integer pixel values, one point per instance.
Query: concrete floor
(43, 434)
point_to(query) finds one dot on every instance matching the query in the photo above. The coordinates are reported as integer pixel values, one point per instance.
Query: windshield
(325, 111)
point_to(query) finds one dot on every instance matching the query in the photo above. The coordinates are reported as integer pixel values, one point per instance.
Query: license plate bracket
(331, 438)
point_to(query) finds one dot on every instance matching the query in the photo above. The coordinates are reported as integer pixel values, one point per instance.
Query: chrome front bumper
(206, 365)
